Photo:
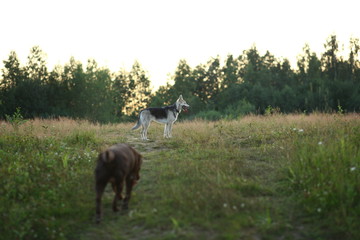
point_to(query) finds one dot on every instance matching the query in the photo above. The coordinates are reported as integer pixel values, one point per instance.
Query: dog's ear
(138, 167)
(140, 159)
(109, 156)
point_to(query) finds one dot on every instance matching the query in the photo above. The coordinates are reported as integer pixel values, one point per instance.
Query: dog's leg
(100, 187)
(165, 130)
(119, 182)
(113, 185)
(170, 130)
(144, 130)
(129, 185)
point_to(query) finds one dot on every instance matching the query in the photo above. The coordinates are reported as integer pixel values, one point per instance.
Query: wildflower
(234, 207)
(352, 169)
(242, 205)
(301, 130)
(320, 143)
(225, 205)
(294, 129)
(318, 210)
(131, 213)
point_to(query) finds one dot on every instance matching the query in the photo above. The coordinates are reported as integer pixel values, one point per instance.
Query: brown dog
(118, 164)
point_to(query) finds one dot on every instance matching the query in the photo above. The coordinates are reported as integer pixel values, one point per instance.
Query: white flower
(318, 210)
(352, 169)
(242, 205)
(225, 205)
(301, 130)
(320, 143)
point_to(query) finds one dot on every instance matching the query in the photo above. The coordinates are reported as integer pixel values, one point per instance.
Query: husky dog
(166, 115)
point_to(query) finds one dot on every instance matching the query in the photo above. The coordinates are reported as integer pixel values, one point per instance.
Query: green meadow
(257, 177)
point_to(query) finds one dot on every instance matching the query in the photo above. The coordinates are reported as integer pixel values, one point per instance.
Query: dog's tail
(138, 124)
(109, 156)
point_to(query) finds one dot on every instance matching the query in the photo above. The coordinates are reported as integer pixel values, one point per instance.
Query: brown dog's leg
(100, 187)
(129, 185)
(113, 185)
(118, 187)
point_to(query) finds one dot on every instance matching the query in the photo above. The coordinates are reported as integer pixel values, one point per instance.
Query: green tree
(199, 75)
(74, 83)
(31, 92)
(36, 66)
(12, 75)
(139, 90)
(354, 63)
(251, 65)
(184, 82)
(213, 77)
(310, 82)
(99, 95)
(57, 93)
(121, 92)
(207, 78)
(329, 59)
(230, 75)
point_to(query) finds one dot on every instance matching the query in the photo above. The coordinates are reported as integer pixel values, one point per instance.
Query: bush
(210, 115)
(240, 108)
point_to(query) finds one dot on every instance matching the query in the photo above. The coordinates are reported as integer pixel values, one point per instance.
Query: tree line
(72, 90)
(249, 83)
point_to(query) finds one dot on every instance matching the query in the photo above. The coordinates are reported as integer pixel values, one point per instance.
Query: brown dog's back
(118, 164)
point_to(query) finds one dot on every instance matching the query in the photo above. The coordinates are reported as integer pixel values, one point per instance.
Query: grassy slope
(249, 179)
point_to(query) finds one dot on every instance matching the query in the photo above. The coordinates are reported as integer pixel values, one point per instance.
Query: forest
(229, 88)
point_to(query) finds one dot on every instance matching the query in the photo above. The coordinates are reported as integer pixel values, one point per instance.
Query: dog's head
(182, 103)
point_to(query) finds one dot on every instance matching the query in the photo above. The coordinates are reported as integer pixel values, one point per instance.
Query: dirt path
(136, 219)
(144, 146)
(110, 228)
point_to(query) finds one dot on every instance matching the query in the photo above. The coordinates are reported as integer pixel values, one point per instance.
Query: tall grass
(258, 177)
(45, 180)
(47, 176)
(325, 177)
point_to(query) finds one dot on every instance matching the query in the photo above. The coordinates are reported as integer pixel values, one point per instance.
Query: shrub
(210, 115)
(16, 119)
(240, 108)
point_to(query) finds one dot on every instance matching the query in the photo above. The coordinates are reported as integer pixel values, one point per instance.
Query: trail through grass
(273, 177)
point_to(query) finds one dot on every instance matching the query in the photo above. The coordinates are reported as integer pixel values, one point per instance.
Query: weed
(16, 119)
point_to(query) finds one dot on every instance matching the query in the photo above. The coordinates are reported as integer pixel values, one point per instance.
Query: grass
(259, 177)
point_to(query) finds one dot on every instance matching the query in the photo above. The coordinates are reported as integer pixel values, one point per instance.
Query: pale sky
(159, 33)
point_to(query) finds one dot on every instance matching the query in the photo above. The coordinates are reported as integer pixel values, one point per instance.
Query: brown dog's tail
(109, 156)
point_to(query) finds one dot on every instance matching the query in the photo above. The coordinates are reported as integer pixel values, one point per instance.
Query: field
(258, 177)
